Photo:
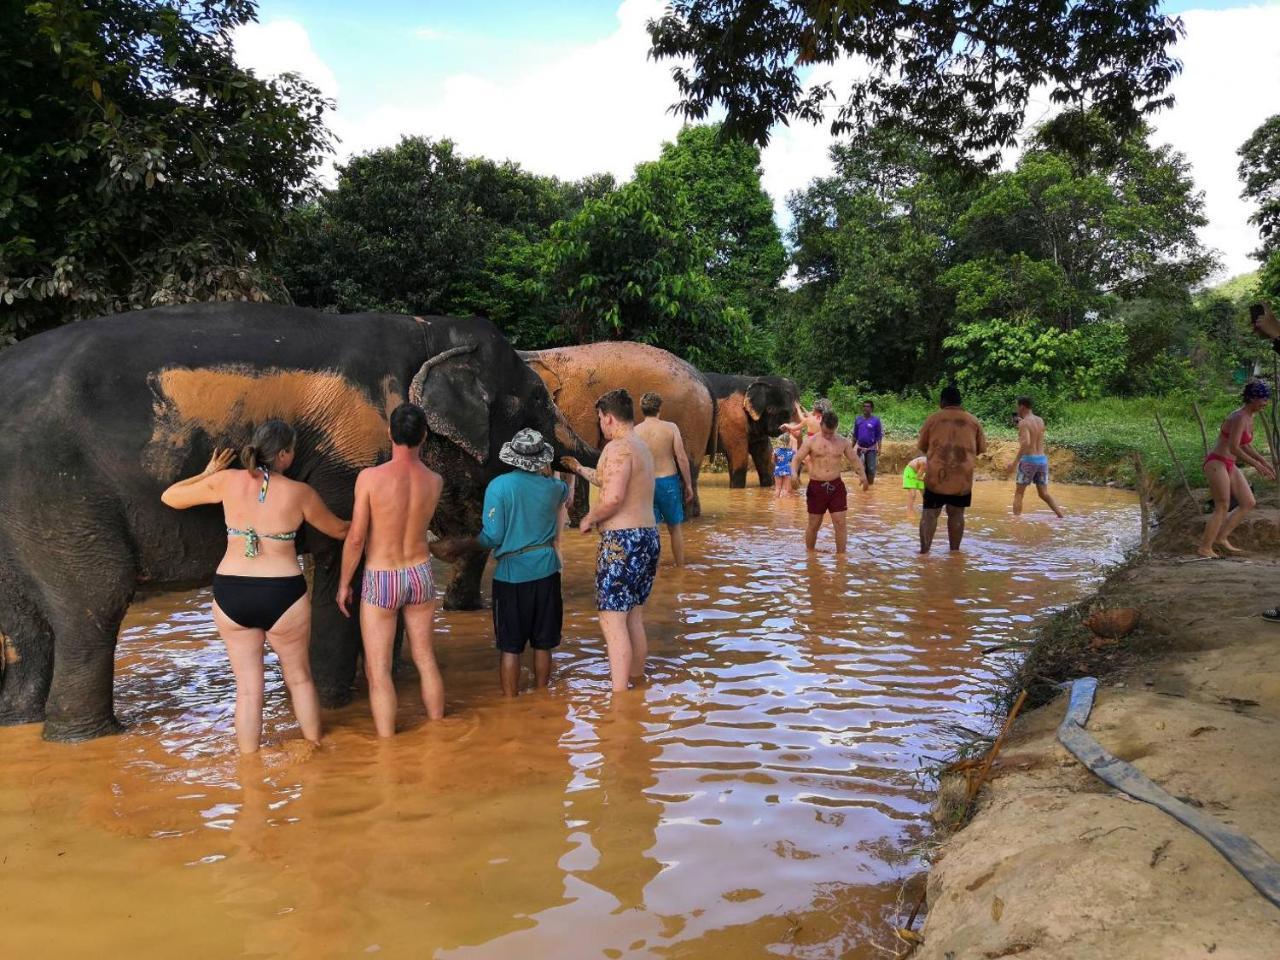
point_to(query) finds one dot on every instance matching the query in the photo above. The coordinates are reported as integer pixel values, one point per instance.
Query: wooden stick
(1176, 462)
(1204, 439)
(995, 747)
(1140, 473)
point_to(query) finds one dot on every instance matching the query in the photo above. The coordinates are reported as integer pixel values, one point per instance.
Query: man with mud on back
(394, 506)
(826, 491)
(629, 547)
(672, 487)
(952, 439)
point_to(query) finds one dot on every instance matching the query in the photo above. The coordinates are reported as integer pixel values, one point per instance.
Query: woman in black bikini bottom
(259, 593)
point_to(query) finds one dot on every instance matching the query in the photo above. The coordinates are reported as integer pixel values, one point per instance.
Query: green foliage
(1260, 172)
(418, 228)
(140, 163)
(956, 75)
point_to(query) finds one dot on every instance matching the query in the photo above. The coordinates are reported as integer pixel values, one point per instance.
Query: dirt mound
(1056, 864)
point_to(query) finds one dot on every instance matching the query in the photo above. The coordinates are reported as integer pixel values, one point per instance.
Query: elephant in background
(101, 416)
(750, 412)
(578, 376)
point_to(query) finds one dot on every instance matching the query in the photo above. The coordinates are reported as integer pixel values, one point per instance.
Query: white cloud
(1230, 83)
(603, 106)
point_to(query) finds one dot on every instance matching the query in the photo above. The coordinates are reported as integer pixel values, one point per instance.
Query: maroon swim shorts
(826, 495)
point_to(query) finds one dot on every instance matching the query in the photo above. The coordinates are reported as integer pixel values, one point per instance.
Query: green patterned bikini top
(253, 539)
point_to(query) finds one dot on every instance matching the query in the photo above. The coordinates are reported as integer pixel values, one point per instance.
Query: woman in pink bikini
(1222, 469)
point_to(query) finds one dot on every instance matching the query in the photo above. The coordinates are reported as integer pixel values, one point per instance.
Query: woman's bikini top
(252, 538)
(1245, 437)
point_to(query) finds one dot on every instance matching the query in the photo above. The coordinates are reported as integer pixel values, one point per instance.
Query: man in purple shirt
(866, 436)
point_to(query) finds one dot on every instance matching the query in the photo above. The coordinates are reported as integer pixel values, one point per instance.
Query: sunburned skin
(824, 453)
(625, 477)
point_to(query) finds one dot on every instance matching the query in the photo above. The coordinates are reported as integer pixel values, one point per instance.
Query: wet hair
(822, 405)
(408, 425)
(272, 438)
(1026, 402)
(950, 397)
(618, 404)
(830, 420)
(1256, 390)
(650, 404)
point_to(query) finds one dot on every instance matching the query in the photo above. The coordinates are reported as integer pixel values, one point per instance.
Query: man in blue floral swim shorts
(629, 548)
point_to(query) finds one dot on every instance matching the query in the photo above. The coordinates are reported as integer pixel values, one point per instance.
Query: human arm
(615, 475)
(353, 544)
(1265, 324)
(1244, 451)
(879, 436)
(980, 440)
(803, 452)
(1024, 446)
(586, 473)
(204, 487)
(922, 442)
(321, 517)
(851, 454)
(682, 462)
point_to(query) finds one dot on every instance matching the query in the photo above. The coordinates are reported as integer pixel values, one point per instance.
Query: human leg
(290, 638)
(1019, 491)
(676, 532)
(840, 527)
(639, 642)
(420, 625)
(955, 525)
(1042, 490)
(811, 531)
(1218, 475)
(617, 640)
(1245, 502)
(244, 650)
(378, 634)
(928, 527)
(509, 673)
(541, 668)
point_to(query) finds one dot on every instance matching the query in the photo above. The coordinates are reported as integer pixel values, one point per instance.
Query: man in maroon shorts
(826, 492)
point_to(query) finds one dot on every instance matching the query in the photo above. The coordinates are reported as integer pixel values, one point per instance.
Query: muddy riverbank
(1055, 864)
(752, 800)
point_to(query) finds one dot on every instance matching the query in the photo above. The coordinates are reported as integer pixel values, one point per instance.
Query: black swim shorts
(529, 613)
(936, 501)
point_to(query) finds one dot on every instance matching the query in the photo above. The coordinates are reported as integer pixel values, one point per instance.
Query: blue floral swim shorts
(1033, 468)
(625, 567)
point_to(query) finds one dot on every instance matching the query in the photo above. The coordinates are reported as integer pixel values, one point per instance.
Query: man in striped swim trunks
(395, 503)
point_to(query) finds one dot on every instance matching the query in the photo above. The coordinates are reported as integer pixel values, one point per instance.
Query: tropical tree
(140, 163)
(952, 73)
(1260, 171)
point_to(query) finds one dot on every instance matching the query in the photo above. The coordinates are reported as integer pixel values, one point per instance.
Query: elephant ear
(758, 389)
(449, 388)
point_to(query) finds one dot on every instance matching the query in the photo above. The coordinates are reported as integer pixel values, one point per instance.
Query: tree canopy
(141, 164)
(955, 74)
(1260, 172)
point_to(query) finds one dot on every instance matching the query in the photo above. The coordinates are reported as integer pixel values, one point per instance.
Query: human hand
(344, 598)
(1264, 322)
(865, 486)
(571, 464)
(587, 524)
(688, 494)
(220, 460)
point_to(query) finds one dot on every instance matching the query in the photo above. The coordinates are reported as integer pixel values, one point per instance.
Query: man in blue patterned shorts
(629, 547)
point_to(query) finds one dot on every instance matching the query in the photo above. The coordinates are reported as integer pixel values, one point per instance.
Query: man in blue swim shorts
(672, 484)
(628, 558)
(1032, 463)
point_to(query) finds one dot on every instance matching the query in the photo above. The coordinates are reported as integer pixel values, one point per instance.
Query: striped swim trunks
(393, 589)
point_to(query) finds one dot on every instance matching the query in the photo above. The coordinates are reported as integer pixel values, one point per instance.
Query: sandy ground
(1058, 865)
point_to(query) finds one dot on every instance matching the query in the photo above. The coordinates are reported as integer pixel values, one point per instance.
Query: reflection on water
(750, 799)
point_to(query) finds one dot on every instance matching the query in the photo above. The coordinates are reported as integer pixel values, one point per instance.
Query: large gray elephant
(750, 412)
(100, 416)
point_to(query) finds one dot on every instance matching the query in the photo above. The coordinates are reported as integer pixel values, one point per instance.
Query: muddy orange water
(751, 801)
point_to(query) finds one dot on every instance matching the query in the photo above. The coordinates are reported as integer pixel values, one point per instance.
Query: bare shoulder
(433, 479)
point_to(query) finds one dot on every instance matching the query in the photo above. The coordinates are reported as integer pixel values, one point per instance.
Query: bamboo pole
(1204, 439)
(1176, 462)
(1140, 473)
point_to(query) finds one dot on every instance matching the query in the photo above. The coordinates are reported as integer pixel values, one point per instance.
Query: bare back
(628, 456)
(281, 511)
(1031, 435)
(401, 498)
(660, 437)
(824, 454)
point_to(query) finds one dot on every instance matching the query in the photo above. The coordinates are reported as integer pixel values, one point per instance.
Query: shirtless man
(804, 426)
(826, 491)
(952, 439)
(394, 506)
(672, 487)
(1032, 464)
(629, 545)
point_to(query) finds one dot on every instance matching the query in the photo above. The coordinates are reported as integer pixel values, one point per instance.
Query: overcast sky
(566, 88)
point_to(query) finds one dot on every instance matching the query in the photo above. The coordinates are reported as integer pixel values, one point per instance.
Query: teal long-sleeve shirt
(522, 509)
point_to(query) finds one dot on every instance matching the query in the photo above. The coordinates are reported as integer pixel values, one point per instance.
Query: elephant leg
(464, 589)
(85, 620)
(694, 507)
(26, 656)
(335, 639)
(762, 456)
(581, 502)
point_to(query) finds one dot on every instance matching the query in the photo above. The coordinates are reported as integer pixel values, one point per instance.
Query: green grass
(1104, 433)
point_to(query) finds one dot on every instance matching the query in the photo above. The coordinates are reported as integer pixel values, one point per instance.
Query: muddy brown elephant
(750, 412)
(100, 416)
(578, 376)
